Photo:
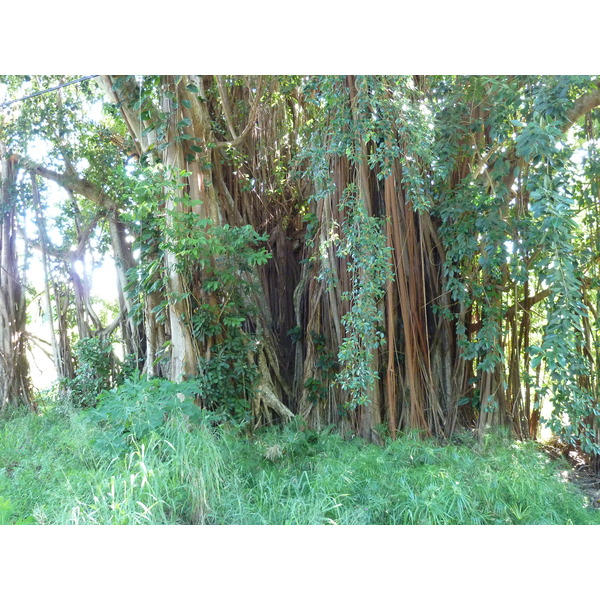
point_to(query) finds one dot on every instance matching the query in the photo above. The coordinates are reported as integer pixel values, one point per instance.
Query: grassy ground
(63, 468)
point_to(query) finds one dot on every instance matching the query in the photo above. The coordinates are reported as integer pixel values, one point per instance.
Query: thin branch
(38, 342)
(132, 121)
(52, 89)
(82, 238)
(482, 164)
(105, 332)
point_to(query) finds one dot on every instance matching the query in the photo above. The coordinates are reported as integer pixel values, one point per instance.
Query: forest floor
(581, 473)
(587, 481)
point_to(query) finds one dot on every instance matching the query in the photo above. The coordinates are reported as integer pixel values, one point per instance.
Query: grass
(61, 468)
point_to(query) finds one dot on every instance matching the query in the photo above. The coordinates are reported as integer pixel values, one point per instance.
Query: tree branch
(226, 106)
(133, 124)
(52, 89)
(527, 303)
(80, 186)
(582, 105)
(82, 239)
(105, 332)
(251, 119)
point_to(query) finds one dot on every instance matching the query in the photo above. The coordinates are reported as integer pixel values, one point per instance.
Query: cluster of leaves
(226, 381)
(369, 266)
(474, 234)
(474, 227)
(554, 214)
(495, 243)
(224, 313)
(221, 259)
(140, 406)
(94, 371)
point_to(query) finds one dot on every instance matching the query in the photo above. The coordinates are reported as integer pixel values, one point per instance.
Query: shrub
(140, 406)
(93, 373)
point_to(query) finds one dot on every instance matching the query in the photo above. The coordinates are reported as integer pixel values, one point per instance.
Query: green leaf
(119, 82)
(184, 123)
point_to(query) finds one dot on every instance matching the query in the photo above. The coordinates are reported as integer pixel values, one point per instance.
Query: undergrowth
(170, 463)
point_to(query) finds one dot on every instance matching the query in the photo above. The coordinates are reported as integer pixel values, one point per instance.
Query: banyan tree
(375, 253)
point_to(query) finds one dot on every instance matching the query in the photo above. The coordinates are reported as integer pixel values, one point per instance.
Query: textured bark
(584, 104)
(15, 383)
(418, 358)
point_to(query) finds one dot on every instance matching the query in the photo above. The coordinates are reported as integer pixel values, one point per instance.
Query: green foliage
(173, 478)
(513, 203)
(184, 472)
(555, 231)
(474, 234)
(140, 406)
(503, 242)
(219, 260)
(93, 373)
(8, 515)
(46, 462)
(369, 265)
(226, 257)
(301, 477)
(226, 380)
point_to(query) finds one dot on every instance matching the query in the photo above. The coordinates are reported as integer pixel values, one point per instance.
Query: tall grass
(324, 479)
(58, 468)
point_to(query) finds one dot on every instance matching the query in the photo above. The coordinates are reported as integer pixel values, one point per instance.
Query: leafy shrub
(140, 406)
(94, 371)
(226, 381)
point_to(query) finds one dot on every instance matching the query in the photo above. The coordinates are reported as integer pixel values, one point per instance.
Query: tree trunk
(15, 383)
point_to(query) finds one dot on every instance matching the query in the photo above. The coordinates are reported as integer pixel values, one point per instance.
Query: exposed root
(265, 392)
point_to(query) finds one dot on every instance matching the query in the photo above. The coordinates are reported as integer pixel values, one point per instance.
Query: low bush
(140, 406)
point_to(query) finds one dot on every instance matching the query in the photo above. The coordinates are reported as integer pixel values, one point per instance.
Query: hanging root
(265, 393)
